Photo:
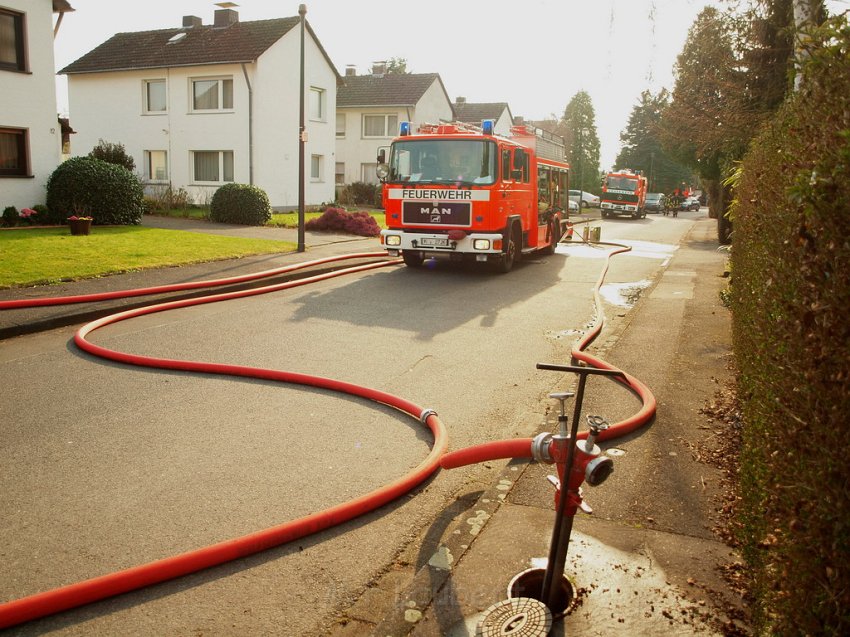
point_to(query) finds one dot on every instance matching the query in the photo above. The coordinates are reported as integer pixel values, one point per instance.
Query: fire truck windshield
(621, 183)
(461, 161)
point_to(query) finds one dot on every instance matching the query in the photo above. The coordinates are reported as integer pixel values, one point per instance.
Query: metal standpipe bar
(563, 527)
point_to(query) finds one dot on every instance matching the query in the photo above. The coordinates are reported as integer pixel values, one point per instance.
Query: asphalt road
(107, 466)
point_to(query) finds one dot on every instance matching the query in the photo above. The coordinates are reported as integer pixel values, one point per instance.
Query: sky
(533, 54)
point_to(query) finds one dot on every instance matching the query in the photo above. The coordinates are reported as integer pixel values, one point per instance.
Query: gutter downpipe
(250, 126)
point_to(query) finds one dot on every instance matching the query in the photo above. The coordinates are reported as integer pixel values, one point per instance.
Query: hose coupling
(540, 448)
(423, 417)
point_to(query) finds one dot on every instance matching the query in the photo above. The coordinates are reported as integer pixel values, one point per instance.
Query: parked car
(690, 203)
(573, 206)
(654, 202)
(588, 199)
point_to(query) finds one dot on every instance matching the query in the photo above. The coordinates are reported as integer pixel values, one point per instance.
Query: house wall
(110, 106)
(503, 124)
(276, 122)
(28, 101)
(355, 151)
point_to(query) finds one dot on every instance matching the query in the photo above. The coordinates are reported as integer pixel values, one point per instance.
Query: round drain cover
(516, 617)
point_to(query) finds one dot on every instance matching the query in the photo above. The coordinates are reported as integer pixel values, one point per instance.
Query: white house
(30, 135)
(369, 109)
(202, 105)
(475, 113)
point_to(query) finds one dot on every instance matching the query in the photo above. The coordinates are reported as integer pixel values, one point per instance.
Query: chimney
(460, 100)
(519, 120)
(379, 68)
(192, 21)
(225, 17)
(350, 70)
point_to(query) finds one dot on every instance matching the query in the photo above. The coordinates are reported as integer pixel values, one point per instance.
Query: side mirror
(382, 156)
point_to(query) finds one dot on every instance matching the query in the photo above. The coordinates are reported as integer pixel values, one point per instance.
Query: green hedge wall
(790, 300)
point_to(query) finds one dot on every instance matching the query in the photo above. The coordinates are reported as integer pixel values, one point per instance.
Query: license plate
(618, 207)
(434, 242)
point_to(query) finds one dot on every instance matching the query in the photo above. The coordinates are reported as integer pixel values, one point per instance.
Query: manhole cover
(516, 617)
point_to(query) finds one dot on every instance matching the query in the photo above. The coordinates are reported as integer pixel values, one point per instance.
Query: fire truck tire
(412, 259)
(511, 254)
(554, 237)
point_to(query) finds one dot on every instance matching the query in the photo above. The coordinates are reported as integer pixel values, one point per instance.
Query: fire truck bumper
(439, 244)
(615, 208)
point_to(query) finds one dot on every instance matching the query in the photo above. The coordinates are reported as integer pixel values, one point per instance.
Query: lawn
(48, 255)
(280, 219)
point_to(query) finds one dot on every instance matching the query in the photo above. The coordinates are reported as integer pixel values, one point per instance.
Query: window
(339, 178)
(14, 158)
(340, 124)
(316, 167)
(212, 95)
(156, 165)
(368, 173)
(12, 54)
(155, 100)
(213, 165)
(317, 104)
(379, 125)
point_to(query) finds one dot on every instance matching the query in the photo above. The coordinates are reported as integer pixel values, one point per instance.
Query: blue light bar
(488, 125)
(404, 129)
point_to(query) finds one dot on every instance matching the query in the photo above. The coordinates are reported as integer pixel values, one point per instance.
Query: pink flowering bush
(338, 220)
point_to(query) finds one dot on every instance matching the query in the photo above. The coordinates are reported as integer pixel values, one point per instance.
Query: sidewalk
(646, 562)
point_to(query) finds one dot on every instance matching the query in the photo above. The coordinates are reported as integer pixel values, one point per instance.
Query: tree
(708, 124)
(397, 66)
(642, 150)
(579, 122)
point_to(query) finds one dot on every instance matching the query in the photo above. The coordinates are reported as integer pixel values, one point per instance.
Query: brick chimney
(460, 100)
(379, 69)
(192, 21)
(350, 70)
(225, 17)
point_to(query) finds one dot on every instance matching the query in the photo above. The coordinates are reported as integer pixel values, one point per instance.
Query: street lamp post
(302, 138)
(580, 168)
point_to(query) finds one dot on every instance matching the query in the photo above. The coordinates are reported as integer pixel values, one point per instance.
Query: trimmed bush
(790, 294)
(360, 194)
(85, 186)
(10, 216)
(338, 220)
(240, 203)
(113, 154)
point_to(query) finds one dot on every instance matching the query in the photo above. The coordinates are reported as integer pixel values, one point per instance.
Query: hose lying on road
(98, 588)
(521, 447)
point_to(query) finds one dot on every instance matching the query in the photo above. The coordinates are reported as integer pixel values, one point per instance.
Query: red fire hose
(87, 591)
(521, 448)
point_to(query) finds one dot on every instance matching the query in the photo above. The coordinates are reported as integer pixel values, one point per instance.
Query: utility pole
(302, 139)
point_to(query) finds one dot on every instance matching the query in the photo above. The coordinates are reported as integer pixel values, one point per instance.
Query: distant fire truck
(623, 193)
(461, 192)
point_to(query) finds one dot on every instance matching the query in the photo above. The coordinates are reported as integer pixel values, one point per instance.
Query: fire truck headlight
(383, 171)
(481, 244)
(393, 240)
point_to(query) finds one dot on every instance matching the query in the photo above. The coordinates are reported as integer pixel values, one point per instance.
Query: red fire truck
(624, 193)
(461, 192)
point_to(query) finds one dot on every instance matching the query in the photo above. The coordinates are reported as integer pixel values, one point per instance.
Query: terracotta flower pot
(80, 226)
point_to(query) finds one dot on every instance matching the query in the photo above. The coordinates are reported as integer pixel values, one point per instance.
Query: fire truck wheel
(412, 259)
(511, 254)
(550, 249)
